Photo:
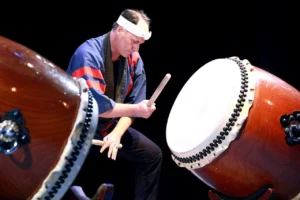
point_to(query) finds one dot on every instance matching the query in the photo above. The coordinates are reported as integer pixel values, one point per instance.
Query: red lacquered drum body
(258, 154)
(49, 101)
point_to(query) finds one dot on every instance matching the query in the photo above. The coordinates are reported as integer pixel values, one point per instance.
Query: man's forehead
(140, 39)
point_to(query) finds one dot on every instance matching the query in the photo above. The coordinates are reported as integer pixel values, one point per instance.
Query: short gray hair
(133, 16)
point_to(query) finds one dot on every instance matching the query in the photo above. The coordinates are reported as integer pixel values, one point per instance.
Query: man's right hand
(143, 110)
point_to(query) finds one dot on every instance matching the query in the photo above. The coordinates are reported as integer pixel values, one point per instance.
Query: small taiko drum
(236, 127)
(47, 123)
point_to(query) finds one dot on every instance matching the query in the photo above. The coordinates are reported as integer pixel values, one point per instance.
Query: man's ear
(120, 30)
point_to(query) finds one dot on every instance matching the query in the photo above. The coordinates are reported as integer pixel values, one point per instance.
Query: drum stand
(104, 192)
(265, 193)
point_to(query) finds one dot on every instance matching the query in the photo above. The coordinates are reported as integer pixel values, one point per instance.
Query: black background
(185, 36)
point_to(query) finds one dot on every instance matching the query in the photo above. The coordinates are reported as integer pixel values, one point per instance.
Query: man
(114, 72)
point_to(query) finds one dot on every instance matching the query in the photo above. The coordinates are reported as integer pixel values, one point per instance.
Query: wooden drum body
(47, 125)
(240, 130)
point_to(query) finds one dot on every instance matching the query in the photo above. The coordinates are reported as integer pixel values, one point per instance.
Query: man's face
(130, 43)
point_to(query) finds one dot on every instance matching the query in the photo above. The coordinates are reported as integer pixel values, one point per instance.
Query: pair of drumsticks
(151, 101)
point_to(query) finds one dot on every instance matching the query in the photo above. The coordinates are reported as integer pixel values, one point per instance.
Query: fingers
(104, 147)
(114, 152)
(106, 144)
(153, 106)
(111, 147)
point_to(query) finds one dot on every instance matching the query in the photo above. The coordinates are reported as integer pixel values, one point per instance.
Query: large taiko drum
(47, 123)
(236, 127)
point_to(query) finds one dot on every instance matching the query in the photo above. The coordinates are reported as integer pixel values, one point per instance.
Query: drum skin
(48, 100)
(260, 156)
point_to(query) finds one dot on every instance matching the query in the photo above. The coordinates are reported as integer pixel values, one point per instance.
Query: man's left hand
(112, 140)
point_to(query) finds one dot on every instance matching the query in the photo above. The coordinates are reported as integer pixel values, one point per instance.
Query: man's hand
(112, 140)
(145, 111)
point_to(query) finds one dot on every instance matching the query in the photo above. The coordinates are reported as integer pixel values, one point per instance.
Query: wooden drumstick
(101, 143)
(159, 89)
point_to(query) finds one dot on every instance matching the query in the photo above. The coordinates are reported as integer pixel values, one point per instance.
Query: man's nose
(136, 47)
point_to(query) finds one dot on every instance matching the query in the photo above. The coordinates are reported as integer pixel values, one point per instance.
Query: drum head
(203, 106)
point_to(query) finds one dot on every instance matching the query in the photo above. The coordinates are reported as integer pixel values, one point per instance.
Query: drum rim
(75, 152)
(191, 159)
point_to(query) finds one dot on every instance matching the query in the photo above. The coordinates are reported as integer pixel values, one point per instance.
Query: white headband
(134, 29)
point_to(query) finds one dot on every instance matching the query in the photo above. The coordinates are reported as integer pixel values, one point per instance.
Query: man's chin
(126, 54)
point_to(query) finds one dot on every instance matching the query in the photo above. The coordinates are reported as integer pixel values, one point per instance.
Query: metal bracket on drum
(291, 124)
(13, 133)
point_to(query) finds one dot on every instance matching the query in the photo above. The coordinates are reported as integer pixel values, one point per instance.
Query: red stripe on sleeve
(87, 71)
(96, 85)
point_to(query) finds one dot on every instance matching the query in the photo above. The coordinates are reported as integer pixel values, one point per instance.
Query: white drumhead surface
(203, 106)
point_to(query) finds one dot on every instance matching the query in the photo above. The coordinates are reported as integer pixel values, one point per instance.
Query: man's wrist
(134, 110)
(118, 132)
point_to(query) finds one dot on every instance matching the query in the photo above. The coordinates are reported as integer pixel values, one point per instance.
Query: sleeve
(138, 91)
(85, 63)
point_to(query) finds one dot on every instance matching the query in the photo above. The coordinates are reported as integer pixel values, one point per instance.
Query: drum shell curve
(260, 155)
(48, 100)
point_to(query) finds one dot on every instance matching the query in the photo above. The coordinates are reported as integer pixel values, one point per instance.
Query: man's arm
(120, 110)
(123, 124)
